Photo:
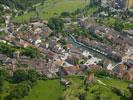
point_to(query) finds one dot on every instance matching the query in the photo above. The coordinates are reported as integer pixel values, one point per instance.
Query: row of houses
(119, 45)
(55, 60)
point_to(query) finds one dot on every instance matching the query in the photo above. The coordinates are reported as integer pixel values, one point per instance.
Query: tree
(117, 91)
(19, 76)
(1, 83)
(3, 75)
(95, 3)
(131, 91)
(118, 26)
(6, 49)
(19, 91)
(31, 52)
(65, 14)
(56, 24)
(32, 76)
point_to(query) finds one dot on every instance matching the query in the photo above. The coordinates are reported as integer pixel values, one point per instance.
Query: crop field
(52, 8)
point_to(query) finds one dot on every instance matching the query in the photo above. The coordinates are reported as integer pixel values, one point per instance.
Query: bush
(19, 91)
(31, 52)
(65, 14)
(21, 75)
(3, 76)
(6, 49)
(101, 72)
(32, 76)
(56, 24)
(82, 96)
(117, 91)
(127, 94)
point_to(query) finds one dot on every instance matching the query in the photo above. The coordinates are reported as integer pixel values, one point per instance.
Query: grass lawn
(6, 88)
(46, 90)
(76, 88)
(105, 91)
(52, 89)
(53, 8)
(121, 84)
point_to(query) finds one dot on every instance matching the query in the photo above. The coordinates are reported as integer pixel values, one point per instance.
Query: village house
(40, 66)
(71, 60)
(45, 68)
(72, 70)
(25, 60)
(130, 74)
(2, 57)
(75, 51)
(54, 70)
(23, 43)
(36, 24)
(130, 19)
(51, 55)
(129, 63)
(94, 67)
(121, 71)
(52, 44)
(106, 63)
(59, 62)
(69, 46)
(9, 61)
(16, 55)
(9, 24)
(50, 69)
(46, 31)
(38, 31)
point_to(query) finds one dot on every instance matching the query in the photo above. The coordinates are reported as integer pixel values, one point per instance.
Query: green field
(52, 8)
(46, 90)
(105, 91)
(6, 89)
(77, 88)
(53, 90)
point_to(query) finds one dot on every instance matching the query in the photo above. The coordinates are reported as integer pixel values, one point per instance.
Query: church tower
(128, 4)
